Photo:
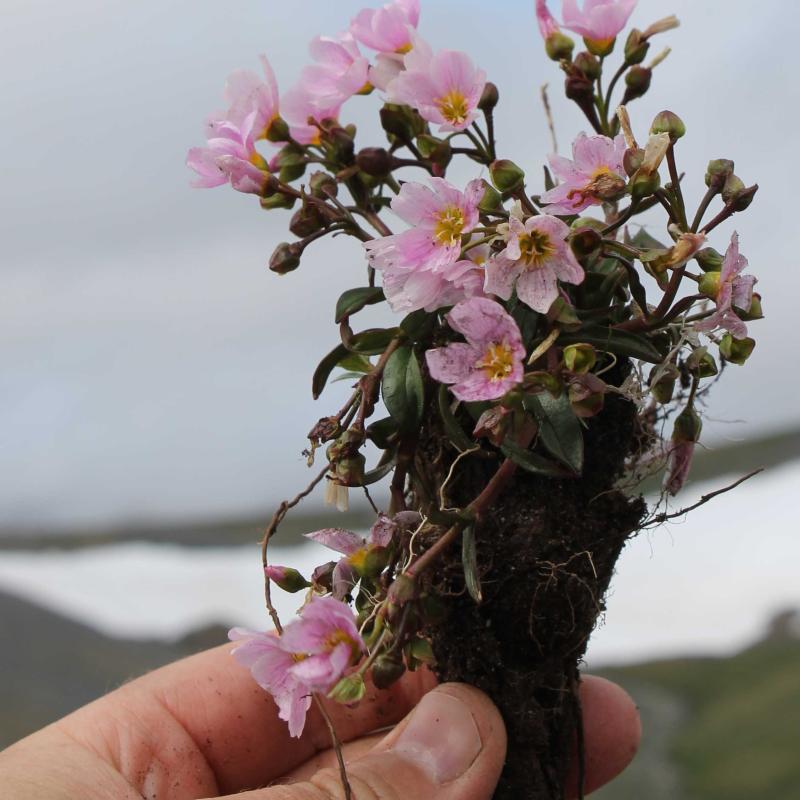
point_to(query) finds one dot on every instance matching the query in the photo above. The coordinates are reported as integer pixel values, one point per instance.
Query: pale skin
(201, 728)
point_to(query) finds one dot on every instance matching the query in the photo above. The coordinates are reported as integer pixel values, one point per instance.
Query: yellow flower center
(333, 640)
(454, 107)
(359, 558)
(450, 225)
(535, 248)
(259, 161)
(298, 657)
(497, 361)
(604, 170)
(406, 48)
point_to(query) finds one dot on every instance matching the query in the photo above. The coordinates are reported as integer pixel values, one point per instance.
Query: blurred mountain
(718, 728)
(735, 459)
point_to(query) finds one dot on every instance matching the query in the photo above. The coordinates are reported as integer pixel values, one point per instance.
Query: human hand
(201, 728)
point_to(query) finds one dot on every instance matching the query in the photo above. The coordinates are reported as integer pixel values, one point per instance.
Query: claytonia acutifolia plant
(554, 344)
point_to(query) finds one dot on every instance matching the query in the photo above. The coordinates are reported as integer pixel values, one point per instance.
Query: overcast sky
(152, 366)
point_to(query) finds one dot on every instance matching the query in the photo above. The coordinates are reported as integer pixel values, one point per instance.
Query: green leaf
(418, 325)
(347, 376)
(325, 367)
(382, 432)
(354, 300)
(403, 389)
(385, 466)
(560, 431)
(469, 559)
(356, 363)
(644, 241)
(609, 340)
(453, 429)
(532, 462)
(371, 341)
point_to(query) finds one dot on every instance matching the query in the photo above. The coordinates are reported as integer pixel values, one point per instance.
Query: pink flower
(387, 29)
(547, 23)
(355, 550)
(595, 173)
(311, 655)
(246, 94)
(340, 72)
(679, 464)
(535, 259)
(303, 110)
(489, 364)
(735, 291)
(600, 20)
(440, 216)
(230, 156)
(444, 87)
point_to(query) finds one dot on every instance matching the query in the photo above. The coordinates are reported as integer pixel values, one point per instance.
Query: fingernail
(441, 737)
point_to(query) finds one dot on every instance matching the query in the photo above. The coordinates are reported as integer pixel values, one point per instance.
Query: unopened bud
(285, 258)
(717, 172)
(278, 130)
(669, 123)
(589, 65)
(737, 351)
(387, 669)
(701, 363)
(585, 242)
(489, 98)
(579, 358)
(688, 426)
(663, 387)
(306, 220)
(632, 160)
(709, 284)
(733, 187)
(636, 47)
(491, 200)
(637, 82)
(644, 184)
(403, 590)
(291, 163)
(709, 259)
(286, 578)
(559, 46)
(755, 311)
(375, 161)
(348, 690)
(579, 88)
(322, 577)
(506, 175)
(342, 141)
(401, 121)
(434, 149)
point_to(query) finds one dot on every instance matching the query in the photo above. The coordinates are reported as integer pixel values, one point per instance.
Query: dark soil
(546, 554)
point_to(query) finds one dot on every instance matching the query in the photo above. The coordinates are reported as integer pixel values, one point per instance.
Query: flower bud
(403, 590)
(588, 65)
(277, 200)
(323, 185)
(349, 689)
(491, 200)
(286, 578)
(733, 187)
(585, 242)
(559, 46)
(376, 161)
(506, 175)
(709, 259)
(489, 98)
(637, 82)
(579, 358)
(387, 669)
(717, 172)
(306, 221)
(401, 121)
(322, 577)
(664, 387)
(636, 47)
(644, 184)
(688, 426)
(434, 149)
(737, 351)
(709, 284)
(291, 163)
(286, 258)
(701, 363)
(278, 130)
(669, 123)
(632, 160)
(755, 311)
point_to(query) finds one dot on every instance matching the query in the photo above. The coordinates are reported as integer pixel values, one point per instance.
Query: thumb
(450, 747)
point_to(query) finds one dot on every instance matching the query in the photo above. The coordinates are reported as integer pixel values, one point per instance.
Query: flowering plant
(546, 341)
